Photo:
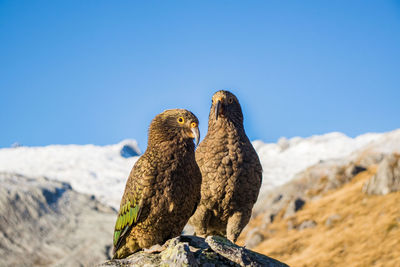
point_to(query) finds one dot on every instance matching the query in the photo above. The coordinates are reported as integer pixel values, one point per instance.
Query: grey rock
(294, 206)
(332, 220)
(291, 225)
(307, 224)
(178, 254)
(47, 223)
(355, 169)
(253, 238)
(128, 151)
(387, 178)
(370, 158)
(196, 251)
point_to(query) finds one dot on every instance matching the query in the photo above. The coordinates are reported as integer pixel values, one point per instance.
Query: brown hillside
(352, 229)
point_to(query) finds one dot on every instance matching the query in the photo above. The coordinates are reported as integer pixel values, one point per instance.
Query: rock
(294, 206)
(253, 238)
(332, 220)
(47, 223)
(197, 251)
(128, 151)
(278, 198)
(354, 169)
(290, 225)
(371, 158)
(307, 224)
(387, 178)
(298, 204)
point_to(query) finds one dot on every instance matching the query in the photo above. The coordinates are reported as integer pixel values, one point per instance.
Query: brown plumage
(163, 188)
(231, 172)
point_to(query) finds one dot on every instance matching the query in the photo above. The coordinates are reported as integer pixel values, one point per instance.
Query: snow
(388, 143)
(281, 161)
(102, 171)
(95, 170)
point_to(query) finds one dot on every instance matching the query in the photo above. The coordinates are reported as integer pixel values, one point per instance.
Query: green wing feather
(134, 200)
(128, 216)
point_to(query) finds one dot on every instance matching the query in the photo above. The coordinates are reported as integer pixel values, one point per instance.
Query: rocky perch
(197, 251)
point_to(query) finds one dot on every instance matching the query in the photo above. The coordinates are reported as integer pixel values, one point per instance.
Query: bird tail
(125, 250)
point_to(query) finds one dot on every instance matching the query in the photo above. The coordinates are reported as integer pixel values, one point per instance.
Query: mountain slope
(345, 227)
(46, 223)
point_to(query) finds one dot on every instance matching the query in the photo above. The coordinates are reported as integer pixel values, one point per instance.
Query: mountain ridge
(102, 171)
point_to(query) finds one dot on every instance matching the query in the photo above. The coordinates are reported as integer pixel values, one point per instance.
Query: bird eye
(181, 120)
(230, 100)
(193, 125)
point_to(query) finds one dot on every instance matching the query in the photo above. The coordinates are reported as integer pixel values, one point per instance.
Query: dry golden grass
(366, 234)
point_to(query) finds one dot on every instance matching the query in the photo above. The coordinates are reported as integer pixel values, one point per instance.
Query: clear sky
(79, 72)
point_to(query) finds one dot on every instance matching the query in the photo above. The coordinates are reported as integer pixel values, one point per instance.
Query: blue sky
(98, 71)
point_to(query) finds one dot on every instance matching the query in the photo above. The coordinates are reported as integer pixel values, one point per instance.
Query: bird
(163, 187)
(231, 172)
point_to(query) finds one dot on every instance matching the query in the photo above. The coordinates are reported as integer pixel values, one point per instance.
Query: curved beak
(217, 108)
(196, 134)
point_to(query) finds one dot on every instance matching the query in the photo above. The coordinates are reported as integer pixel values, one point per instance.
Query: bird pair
(215, 186)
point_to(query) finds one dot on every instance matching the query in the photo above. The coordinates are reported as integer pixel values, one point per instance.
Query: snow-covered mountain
(102, 170)
(95, 170)
(281, 161)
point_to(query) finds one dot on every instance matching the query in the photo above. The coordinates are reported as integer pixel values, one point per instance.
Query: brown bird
(231, 172)
(163, 188)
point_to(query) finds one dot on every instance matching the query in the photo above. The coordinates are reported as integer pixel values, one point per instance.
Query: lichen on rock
(197, 251)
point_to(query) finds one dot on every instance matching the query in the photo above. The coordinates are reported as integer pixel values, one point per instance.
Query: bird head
(225, 106)
(174, 123)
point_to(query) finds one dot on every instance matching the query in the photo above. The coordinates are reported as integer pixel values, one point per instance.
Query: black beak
(217, 108)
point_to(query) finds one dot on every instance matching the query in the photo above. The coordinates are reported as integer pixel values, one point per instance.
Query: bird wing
(133, 200)
(127, 217)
